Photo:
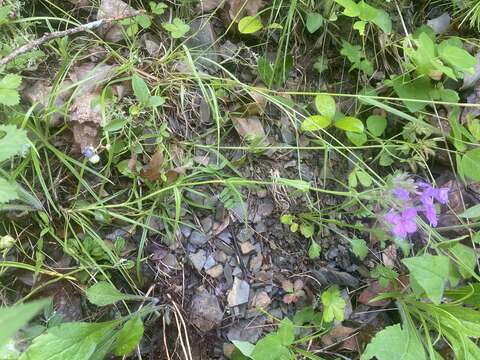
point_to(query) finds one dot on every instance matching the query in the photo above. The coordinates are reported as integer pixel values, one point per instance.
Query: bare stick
(58, 34)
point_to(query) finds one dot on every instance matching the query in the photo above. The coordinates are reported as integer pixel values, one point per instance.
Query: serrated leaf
(359, 248)
(102, 294)
(177, 28)
(8, 191)
(351, 8)
(376, 125)
(393, 342)
(314, 22)
(314, 250)
(430, 272)
(8, 89)
(13, 318)
(158, 9)
(249, 25)
(129, 336)
(315, 123)
(72, 341)
(350, 123)
(326, 106)
(333, 305)
(13, 141)
(140, 89)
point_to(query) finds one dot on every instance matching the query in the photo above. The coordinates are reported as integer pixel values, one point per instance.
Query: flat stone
(240, 212)
(246, 248)
(210, 262)
(227, 272)
(245, 234)
(220, 256)
(201, 43)
(207, 224)
(239, 293)
(256, 262)
(198, 259)
(216, 271)
(247, 330)
(261, 300)
(197, 238)
(205, 311)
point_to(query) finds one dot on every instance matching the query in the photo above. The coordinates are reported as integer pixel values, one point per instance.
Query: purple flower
(401, 194)
(430, 212)
(441, 195)
(404, 223)
(88, 152)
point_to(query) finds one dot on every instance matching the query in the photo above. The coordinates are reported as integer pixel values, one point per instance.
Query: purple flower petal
(410, 226)
(430, 213)
(409, 213)
(392, 217)
(399, 231)
(441, 195)
(401, 194)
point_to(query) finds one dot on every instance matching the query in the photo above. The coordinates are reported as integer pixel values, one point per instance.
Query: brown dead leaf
(373, 290)
(342, 335)
(151, 171)
(241, 8)
(249, 128)
(389, 256)
(85, 119)
(257, 107)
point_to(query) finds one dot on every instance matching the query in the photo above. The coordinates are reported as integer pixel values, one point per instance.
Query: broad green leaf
(286, 219)
(458, 58)
(430, 272)
(265, 70)
(157, 9)
(314, 22)
(359, 248)
(13, 141)
(352, 179)
(286, 332)
(393, 342)
(140, 89)
(129, 336)
(333, 305)
(350, 123)
(8, 89)
(325, 105)
(321, 64)
(177, 28)
(383, 21)
(249, 25)
(115, 125)
(417, 89)
(356, 138)
(314, 250)
(360, 26)
(156, 101)
(376, 125)
(474, 127)
(352, 52)
(465, 259)
(72, 341)
(470, 213)
(307, 230)
(13, 318)
(8, 191)
(351, 9)
(315, 123)
(144, 21)
(102, 294)
(270, 347)
(302, 185)
(245, 347)
(364, 178)
(470, 164)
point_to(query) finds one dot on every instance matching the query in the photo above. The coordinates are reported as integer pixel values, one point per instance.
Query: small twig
(58, 34)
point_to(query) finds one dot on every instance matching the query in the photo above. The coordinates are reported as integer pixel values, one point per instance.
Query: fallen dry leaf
(241, 8)
(342, 335)
(110, 9)
(249, 128)
(371, 291)
(151, 171)
(85, 119)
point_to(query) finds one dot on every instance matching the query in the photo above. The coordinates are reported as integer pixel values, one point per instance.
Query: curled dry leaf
(249, 128)
(151, 171)
(373, 290)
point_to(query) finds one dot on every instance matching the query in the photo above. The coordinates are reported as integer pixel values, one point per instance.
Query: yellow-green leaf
(250, 25)
(350, 123)
(315, 123)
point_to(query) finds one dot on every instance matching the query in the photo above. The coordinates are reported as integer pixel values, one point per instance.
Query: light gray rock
(239, 293)
(197, 238)
(198, 259)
